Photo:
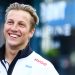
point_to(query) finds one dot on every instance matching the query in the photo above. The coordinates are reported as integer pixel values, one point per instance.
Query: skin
(17, 32)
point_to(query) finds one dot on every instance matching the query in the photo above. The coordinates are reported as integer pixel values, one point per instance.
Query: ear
(31, 33)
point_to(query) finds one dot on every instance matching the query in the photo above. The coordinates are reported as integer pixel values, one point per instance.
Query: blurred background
(54, 38)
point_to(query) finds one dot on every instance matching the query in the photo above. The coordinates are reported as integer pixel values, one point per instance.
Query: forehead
(19, 14)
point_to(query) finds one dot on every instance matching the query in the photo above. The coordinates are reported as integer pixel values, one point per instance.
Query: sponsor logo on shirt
(40, 61)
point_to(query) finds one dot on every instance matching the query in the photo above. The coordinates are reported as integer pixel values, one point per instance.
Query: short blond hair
(24, 7)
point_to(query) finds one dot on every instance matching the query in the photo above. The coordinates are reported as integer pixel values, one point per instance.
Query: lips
(14, 35)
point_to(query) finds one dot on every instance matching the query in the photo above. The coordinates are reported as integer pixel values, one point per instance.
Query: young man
(16, 57)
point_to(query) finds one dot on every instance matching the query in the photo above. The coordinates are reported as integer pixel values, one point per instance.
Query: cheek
(25, 34)
(6, 28)
(24, 31)
(4, 33)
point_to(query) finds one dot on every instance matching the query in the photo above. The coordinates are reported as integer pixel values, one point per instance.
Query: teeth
(13, 35)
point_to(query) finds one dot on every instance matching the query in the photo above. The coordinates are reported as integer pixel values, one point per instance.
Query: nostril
(14, 28)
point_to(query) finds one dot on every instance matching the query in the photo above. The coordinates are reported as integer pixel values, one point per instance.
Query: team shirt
(30, 63)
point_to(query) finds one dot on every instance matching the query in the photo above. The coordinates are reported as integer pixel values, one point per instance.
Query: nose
(14, 27)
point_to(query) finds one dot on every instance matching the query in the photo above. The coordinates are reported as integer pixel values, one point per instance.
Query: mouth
(14, 36)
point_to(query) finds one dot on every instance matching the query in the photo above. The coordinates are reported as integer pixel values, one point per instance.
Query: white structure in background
(62, 30)
(46, 43)
(52, 11)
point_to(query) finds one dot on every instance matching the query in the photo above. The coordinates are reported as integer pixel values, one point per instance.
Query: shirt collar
(2, 52)
(23, 53)
(26, 52)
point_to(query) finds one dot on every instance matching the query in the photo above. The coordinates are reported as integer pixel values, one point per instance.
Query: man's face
(17, 28)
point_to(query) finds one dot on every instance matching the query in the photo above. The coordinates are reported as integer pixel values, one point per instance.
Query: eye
(9, 22)
(22, 25)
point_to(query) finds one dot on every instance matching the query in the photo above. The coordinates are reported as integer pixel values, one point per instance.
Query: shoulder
(44, 64)
(38, 58)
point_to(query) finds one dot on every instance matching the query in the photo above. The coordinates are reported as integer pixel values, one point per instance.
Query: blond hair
(24, 7)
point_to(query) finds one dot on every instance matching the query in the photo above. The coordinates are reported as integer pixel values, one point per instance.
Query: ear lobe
(32, 32)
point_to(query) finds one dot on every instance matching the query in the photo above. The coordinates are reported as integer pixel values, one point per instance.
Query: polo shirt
(26, 62)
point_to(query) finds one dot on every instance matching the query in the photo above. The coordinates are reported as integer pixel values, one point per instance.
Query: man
(16, 57)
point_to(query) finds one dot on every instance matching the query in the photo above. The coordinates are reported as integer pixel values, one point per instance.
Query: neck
(12, 51)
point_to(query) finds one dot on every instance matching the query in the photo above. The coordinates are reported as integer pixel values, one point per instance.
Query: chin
(13, 43)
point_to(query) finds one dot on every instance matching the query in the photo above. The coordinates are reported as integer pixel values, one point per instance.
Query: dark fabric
(11, 67)
(2, 52)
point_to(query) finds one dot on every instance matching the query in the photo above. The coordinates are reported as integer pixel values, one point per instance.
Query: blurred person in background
(16, 56)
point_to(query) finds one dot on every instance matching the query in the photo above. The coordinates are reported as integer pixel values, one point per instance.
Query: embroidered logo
(28, 66)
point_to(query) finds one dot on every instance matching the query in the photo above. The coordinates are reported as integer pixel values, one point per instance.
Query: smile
(13, 35)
